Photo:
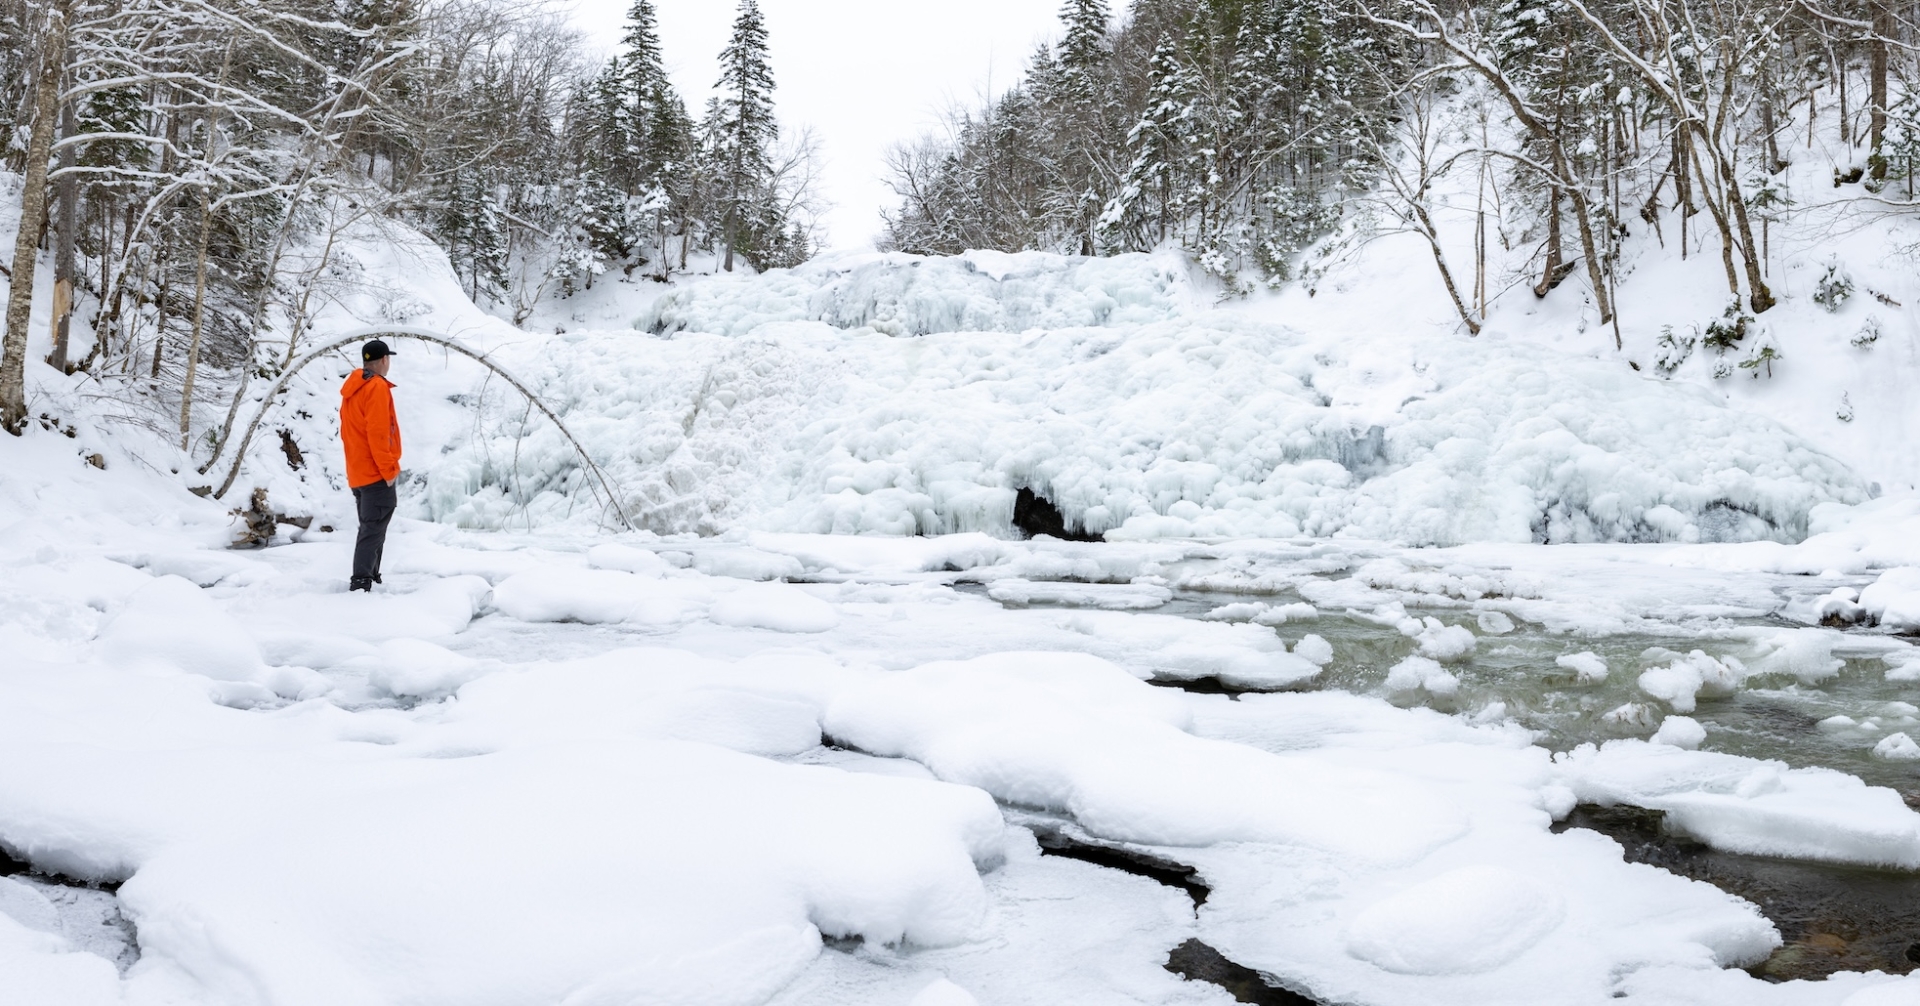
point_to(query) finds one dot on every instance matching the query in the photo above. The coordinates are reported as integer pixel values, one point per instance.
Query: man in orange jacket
(370, 432)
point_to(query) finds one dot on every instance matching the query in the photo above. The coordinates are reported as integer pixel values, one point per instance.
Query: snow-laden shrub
(1845, 412)
(1674, 350)
(1726, 332)
(1294, 218)
(1834, 288)
(1765, 354)
(1869, 332)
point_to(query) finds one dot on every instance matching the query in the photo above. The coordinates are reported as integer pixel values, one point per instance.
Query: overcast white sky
(863, 73)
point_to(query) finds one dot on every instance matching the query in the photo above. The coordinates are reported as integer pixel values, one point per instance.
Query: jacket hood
(356, 383)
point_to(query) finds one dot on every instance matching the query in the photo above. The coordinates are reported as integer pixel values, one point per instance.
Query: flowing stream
(1833, 918)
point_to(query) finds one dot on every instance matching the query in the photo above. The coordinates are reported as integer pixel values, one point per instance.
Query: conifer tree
(746, 129)
(659, 133)
(642, 64)
(1076, 90)
(645, 87)
(611, 122)
(1083, 48)
(1140, 215)
(667, 157)
(469, 222)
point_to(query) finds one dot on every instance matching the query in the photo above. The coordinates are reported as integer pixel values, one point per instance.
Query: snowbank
(1079, 735)
(1737, 804)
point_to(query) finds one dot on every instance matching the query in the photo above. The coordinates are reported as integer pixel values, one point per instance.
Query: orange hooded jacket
(369, 430)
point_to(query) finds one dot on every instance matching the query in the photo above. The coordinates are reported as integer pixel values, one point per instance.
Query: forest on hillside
(192, 164)
(1244, 130)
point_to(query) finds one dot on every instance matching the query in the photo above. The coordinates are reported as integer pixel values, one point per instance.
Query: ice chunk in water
(28, 907)
(1894, 599)
(1680, 683)
(627, 559)
(1442, 642)
(1315, 649)
(1840, 605)
(747, 564)
(1420, 673)
(1632, 716)
(594, 596)
(1586, 664)
(1113, 596)
(174, 623)
(419, 669)
(1806, 654)
(1281, 614)
(1681, 732)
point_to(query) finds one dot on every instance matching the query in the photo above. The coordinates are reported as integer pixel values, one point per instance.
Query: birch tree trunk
(33, 209)
(69, 219)
(1883, 27)
(199, 315)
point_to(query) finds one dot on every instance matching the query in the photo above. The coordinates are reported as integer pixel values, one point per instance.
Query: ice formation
(902, 396)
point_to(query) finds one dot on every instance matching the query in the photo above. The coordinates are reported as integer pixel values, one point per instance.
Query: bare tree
(1472, 54)
(1693, 59)
(33, 208)
(1410, 164)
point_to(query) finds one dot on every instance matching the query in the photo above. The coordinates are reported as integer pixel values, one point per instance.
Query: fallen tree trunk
(434, 338)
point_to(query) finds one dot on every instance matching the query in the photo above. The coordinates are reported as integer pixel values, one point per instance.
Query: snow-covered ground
(729, 757)
(568, 767)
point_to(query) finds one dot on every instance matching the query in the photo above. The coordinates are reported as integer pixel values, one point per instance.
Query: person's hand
(394, 481)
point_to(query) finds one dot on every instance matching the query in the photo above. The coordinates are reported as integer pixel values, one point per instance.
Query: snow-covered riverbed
(561, 767)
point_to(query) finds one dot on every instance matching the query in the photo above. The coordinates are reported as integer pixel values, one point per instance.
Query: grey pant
(375, 504)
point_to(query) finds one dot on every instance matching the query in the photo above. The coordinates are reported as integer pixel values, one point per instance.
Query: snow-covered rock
(1897, 747)
(1763, 808)
(1894, 599)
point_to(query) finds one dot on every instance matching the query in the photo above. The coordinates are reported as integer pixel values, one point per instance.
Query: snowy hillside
(1844, 264)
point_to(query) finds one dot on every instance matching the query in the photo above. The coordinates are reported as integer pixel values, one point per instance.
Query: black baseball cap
(375, 350)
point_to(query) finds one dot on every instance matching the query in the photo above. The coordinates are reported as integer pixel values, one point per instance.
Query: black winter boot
(360, 583)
